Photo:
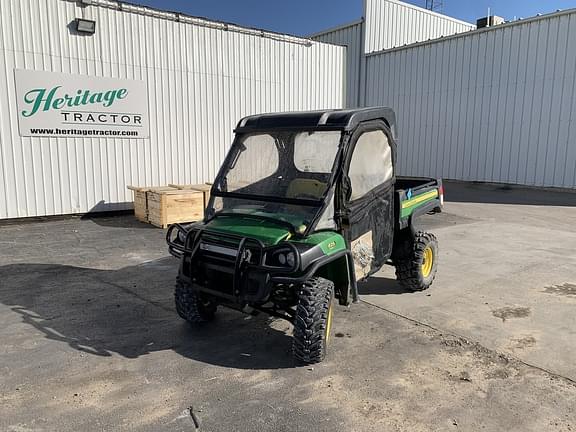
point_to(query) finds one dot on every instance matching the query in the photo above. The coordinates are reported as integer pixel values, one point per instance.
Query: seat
(306, 189)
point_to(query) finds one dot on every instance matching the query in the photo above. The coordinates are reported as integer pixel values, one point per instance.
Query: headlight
(182, 237)
(283, 258)
(287, 258)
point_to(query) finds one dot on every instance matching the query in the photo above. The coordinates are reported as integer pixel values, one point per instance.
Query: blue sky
(302, 17)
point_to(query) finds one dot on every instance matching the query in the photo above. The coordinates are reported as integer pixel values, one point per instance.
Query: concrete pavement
(89, 339)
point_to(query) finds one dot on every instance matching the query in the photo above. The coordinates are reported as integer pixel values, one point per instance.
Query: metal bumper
(243, 259)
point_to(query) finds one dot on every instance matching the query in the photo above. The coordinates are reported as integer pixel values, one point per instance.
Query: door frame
(343, 189)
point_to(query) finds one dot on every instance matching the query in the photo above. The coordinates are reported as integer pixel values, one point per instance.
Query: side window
(371, 163)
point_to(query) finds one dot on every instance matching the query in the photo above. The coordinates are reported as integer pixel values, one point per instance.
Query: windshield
(291, 165)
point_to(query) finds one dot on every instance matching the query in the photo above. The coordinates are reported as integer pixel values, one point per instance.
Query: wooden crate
(165, 205)
(140, 203)
(204, 188)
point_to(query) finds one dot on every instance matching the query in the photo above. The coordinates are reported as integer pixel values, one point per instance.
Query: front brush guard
(186, 242)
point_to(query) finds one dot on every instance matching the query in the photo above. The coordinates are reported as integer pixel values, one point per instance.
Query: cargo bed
(416, 196)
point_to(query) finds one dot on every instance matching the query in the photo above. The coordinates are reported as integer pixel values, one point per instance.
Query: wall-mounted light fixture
(85, 26)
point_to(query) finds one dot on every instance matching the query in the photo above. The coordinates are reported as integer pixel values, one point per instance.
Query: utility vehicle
(305, 205)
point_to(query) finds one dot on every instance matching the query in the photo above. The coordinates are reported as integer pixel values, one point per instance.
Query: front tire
(191, 304)
(416, 267)
(313, 320)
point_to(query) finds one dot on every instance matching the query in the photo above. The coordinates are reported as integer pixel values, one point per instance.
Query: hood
(267, 232)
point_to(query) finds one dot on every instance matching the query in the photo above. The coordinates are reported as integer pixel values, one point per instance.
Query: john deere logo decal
(332, 245)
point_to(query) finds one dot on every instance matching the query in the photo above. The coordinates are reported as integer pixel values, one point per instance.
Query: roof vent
(489, 21)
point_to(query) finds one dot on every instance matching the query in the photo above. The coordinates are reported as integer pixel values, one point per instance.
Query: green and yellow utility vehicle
(305, 205)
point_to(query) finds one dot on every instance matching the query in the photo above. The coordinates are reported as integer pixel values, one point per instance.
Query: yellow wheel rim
(427, 261)
(328, 322)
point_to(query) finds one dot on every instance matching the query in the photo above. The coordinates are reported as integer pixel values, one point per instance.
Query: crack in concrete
(456, 335)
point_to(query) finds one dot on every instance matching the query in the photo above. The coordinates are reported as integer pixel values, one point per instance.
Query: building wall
(202, 77)
(392, 23)
(387, 24)
(351, 36)
(495, 105)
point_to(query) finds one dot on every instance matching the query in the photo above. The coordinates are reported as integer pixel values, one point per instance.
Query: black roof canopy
(344, 119)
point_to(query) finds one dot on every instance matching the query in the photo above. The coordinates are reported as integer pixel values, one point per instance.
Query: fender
(350, 294)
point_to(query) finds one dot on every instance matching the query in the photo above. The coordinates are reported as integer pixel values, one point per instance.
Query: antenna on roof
(435, 5)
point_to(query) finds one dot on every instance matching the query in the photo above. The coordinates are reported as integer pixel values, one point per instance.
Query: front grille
(209, 248)
(224, 247)
(220, 239)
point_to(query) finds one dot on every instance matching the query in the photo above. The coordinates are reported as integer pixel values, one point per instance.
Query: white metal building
(151, 97)
(386, 24)
(187, 80)
(352, 37)
(392, 23)
(495, 105)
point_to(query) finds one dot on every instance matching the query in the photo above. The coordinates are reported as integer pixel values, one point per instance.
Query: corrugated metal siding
(496, 105)
(351, 36)
(201, 80)
(392, 23)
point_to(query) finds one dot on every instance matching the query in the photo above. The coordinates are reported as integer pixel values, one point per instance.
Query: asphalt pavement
(89, 339)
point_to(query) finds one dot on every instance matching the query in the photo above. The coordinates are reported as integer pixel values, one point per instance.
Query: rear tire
(417, 265)
(313, 320)
(191, 304)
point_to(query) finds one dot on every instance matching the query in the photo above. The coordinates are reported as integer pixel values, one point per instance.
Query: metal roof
(345, 119)
(477, 31)
(182, 17)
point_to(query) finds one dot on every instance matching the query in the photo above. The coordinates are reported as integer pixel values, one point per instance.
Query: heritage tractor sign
(61, 105)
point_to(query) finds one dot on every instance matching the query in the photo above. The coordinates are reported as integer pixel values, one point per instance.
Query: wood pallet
(166, 205)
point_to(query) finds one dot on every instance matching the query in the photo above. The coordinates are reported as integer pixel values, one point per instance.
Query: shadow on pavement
(380, 285)
(116, 218)
(493, 193)
(130, 312)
